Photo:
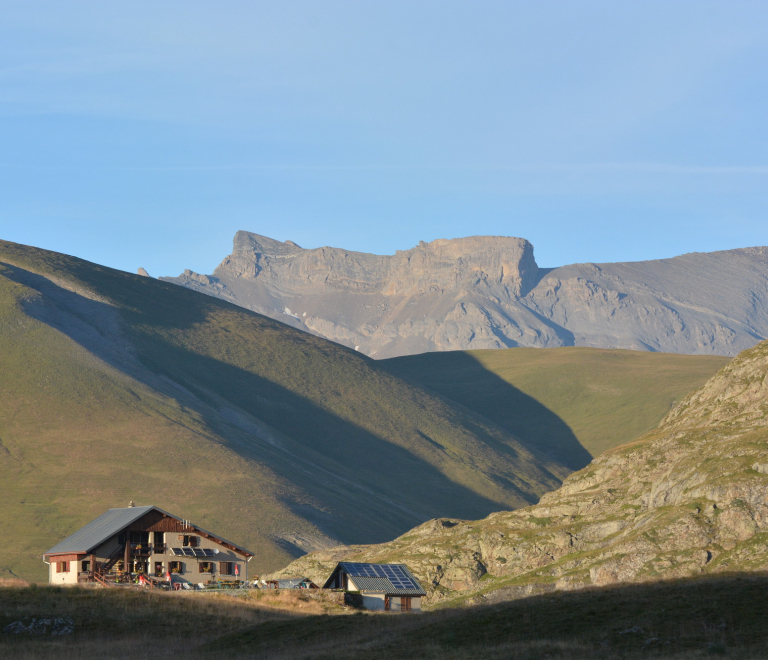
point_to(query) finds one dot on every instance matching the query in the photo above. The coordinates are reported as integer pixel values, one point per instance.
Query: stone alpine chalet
(123, 544)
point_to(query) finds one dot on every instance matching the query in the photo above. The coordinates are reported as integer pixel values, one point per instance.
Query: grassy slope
(574, 403)
(685, 499)
(722, 616)
(118, 387)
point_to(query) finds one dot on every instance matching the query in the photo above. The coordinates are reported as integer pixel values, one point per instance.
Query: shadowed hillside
(572, 403)
(688, 498)
(117, 387)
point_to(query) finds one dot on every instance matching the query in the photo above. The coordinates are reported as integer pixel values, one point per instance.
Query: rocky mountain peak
(488, 292)
(248, 243)
(440, 264)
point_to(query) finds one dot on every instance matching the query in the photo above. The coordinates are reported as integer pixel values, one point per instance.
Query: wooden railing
(146, 549)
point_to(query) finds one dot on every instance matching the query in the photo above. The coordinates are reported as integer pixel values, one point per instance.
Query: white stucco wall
(376, 602)
(373, 602)
(70, 577)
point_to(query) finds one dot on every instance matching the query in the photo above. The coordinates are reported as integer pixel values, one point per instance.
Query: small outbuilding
(291, 583)
(387, 587)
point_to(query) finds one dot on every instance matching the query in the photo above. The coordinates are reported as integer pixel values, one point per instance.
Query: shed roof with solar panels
(388, 579)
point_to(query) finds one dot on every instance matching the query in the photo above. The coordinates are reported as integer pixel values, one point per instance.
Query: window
(226, 568)
(189, 542)
(159, 569)
(62, 567)
(206, 567)
(139, 540)
(85, 566)
(177, 567)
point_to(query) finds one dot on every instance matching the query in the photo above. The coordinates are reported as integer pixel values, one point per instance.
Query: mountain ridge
(488, 292)
(120, 387)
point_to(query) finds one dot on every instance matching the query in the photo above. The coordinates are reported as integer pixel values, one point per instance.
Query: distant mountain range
(488, 292)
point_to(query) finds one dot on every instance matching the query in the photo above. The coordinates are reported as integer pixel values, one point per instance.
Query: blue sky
(146, 134)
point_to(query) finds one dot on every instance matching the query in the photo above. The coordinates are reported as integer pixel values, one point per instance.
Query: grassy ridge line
(573, 403)
(169, 330)
(121, 387)
(80, 436)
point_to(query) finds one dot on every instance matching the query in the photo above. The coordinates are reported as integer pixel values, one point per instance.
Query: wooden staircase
(102, 576)
(102, 568)
(117, 555)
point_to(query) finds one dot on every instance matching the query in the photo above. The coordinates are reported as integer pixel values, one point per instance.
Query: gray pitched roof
(96, 532)
(383, 585)
(110, 523)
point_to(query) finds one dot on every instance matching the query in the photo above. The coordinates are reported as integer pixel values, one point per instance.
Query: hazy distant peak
(245, 241)
(488, 292)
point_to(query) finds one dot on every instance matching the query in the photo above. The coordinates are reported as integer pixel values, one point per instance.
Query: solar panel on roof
(189, 552)
(198, 552)
(209, 552)
(177, 551)
(395, 574)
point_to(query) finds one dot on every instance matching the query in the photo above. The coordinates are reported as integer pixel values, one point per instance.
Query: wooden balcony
(147, 549)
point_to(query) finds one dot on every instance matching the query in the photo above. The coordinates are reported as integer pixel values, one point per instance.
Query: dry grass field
(714, 617)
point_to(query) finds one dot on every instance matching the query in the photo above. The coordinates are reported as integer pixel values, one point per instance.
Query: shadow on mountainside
(367, 489)
(460, 377)
(386, 470)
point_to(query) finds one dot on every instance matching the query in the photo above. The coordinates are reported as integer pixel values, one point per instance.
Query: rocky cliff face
(488, 292)
(689, 498)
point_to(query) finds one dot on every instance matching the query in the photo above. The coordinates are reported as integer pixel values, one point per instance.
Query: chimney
(131, 504)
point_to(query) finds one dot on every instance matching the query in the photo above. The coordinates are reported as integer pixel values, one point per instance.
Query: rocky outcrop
(689, 498)
(488, 292)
